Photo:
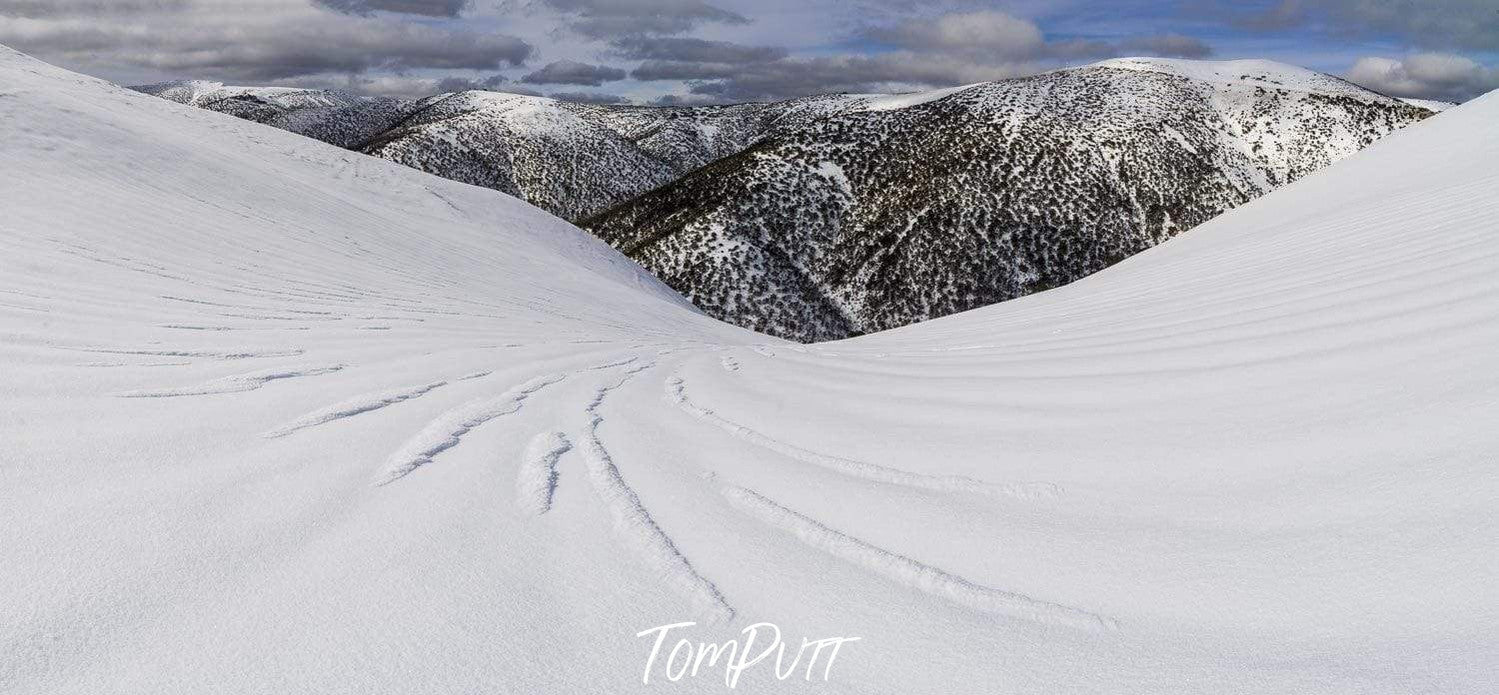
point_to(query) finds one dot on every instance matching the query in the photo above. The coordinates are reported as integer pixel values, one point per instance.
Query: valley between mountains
(833, 216)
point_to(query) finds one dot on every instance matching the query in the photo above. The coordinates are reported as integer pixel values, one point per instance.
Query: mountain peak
(1267, 73)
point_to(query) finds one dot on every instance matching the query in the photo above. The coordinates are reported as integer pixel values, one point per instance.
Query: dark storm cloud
(228, 41)
(668, 48)
(684, 70)
(292, 53)
(429, 8)
(610, 19)
(574, 72)
(1167, 45)
(85, 8)
(1437, 24)
(589, 98)
(493, 83)
(672, 58)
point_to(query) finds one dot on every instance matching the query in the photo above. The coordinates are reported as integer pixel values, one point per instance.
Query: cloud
(670, 58)
(429, 8)
(493, 83)
(1166, 45)
(684, 100)
(684, 70)
(985, 33)
(269, 41)
(85, 8)
(989, 36)
(573, 72)
(885, 72)
(610, 19)
(1440, 24)
(589, 98)
(922, 53)
(1439, 76)
(695, 50)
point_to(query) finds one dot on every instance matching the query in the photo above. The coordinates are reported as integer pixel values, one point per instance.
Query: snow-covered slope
(278, 418)
(875, 219)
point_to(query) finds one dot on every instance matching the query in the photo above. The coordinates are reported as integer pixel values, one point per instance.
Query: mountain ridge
(866, 221)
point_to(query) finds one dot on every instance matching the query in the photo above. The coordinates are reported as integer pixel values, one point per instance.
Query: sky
(721, 51)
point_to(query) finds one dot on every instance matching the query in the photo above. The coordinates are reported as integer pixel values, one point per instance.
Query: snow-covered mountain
(337, 118)
(869, 220)
(279, 418)
(567, 158)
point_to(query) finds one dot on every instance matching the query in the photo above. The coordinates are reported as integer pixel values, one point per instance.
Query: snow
(1267, 444)
(1429, 104)
(1267, 72)
(891, 102)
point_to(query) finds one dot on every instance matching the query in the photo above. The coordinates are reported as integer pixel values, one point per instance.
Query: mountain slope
(567, 158)
(276, 418)
(871, 220)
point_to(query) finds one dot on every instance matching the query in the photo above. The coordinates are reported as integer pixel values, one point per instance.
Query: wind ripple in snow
(447, 430)
(634, 523)
(908, 572)
(676, 393)
(351, 407)
(210, 354)
(233, 383)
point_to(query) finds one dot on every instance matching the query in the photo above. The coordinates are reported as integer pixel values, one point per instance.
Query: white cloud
(1425, 75)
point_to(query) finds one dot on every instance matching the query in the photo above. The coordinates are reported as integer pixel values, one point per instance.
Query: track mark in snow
(351, 407)
(271, 317)
(233, 383)
(448, 429)
(611, 365)
(908, 572)
(536, 479)
(634, 523)
(763, 351)
(676, 392)
(729, 364)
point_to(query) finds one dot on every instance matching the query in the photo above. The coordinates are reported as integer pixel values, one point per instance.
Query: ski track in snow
(448, 429)
(908, 572)
(536, 479)
(233, 383)
(633, 522)
(676, 393)
(729, 364)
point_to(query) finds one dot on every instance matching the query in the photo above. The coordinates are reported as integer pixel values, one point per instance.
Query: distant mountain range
(832, 216)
